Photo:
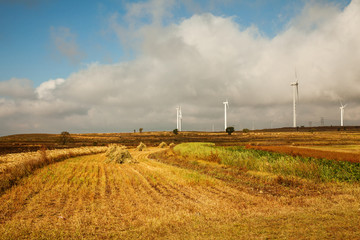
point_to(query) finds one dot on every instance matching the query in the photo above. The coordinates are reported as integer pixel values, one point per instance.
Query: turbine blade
(296, 77)
(297, 92)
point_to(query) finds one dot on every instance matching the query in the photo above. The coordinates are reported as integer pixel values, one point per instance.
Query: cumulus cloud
(65, 44)
(45, 90)
(201, 61)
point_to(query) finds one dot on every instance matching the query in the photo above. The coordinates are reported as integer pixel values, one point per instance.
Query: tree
(65, 137)
(175, 131)
(230, 130)
(246, 130)
(140, 130)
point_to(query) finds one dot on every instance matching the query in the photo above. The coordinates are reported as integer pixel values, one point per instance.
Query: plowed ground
(89, 198)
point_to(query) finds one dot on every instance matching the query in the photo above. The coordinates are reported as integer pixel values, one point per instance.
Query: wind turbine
(295, 86)
(178, 118)
(342, 113)
(226, 105)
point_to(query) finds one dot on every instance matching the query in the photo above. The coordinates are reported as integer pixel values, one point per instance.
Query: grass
(340, 153)
(277, 163)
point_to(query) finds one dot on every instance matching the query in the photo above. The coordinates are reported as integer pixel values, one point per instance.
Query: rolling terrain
(171, 197)
(321, 136)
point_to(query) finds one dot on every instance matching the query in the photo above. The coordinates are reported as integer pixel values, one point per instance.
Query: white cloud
(204, 59)
(45, 90)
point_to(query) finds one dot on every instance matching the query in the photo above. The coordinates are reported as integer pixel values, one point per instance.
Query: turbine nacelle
(342, 106)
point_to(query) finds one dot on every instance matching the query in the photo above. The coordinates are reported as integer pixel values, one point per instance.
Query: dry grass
(15, 166)
(88, 198)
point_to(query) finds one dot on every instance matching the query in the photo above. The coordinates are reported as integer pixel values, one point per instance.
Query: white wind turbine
(295, 86)
(226, 105)
(342, 114)
(178, 118)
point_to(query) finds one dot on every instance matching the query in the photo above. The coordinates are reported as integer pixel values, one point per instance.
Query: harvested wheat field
(88, 197)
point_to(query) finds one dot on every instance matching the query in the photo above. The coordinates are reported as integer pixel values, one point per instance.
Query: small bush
(175, 131)
(141, 147)
(172, 145)
(162, 145)
(246, 130)
(65, 138)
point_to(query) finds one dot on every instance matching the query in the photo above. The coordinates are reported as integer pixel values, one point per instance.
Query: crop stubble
(85, 197)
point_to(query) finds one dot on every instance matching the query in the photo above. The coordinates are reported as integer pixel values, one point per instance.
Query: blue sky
(115, 65)
(27, 49)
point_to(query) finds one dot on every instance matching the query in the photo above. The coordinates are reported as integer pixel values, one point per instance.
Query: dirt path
(87, 197)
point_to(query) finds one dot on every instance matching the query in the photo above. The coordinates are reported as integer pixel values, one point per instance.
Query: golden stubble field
(89, 198)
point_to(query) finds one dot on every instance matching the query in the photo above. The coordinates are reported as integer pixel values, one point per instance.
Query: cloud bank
(198, 63)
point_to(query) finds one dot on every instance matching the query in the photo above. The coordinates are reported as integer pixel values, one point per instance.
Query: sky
(116, 65)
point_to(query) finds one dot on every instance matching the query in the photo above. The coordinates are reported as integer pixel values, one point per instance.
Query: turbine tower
(178, 118)
(226, 105)
(295, 86)
(342, 114)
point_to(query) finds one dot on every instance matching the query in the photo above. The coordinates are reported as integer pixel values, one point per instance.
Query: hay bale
(141, 147)
(162, 145)
(118, 154)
